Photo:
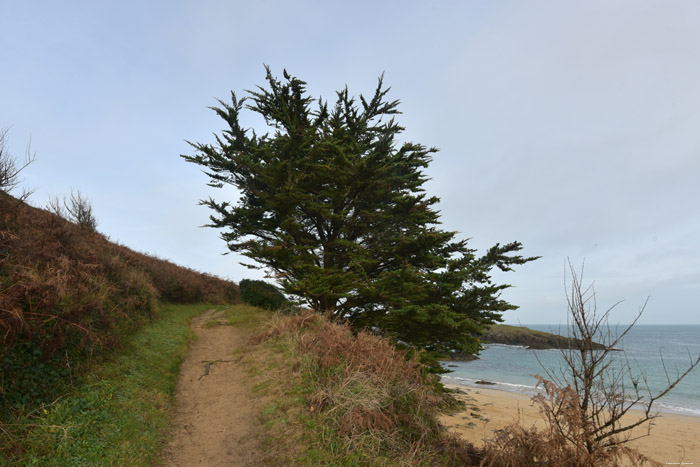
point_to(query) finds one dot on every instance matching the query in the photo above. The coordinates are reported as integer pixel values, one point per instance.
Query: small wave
(499, 385)
(532, 390)
(505, 346)
(668, 408)
(519, 386)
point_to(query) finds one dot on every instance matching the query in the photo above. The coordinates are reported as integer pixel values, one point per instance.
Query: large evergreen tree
(334, 206)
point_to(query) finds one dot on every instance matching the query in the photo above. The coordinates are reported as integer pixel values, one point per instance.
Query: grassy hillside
(88, 365)
(74, 301)
(67, 294)
(118, 413)
(326, 397)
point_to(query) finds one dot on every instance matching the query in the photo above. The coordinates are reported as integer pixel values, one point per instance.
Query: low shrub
(261, 294)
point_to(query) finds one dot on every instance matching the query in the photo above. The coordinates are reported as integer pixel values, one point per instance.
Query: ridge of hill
(521, 336)
(530, 338)
(67, 293)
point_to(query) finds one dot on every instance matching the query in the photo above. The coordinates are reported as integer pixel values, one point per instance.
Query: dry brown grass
(372, 405)
(563, 441)
(66, 292)
(59, 281)
(371, 400)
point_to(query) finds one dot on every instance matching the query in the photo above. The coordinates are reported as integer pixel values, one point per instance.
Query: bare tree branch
(590, 395)
(11, 167)
(76, 208)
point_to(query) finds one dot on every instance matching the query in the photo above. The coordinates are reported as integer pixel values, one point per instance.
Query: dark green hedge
(261, 294)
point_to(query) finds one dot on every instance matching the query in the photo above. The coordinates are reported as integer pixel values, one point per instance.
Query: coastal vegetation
(92, 350)
(262, 294)
(118, 412)
(332, 395)
(335, 208)
(331, 205)
(68, 298)
(349, 398)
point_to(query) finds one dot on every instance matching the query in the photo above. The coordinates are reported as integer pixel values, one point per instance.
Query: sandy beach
(674, 439)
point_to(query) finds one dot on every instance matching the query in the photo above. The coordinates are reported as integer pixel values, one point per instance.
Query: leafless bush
(516, 446)
(55, 205)
(587, 403)
(589, 400)
(10, 167)
(76, 208)
(80, 210)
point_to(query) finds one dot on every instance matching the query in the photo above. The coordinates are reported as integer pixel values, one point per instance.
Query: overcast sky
(573, 127)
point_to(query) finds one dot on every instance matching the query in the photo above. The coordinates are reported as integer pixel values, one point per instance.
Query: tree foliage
(334, 206)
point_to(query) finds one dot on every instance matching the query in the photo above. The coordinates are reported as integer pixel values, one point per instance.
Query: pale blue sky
(570, 126)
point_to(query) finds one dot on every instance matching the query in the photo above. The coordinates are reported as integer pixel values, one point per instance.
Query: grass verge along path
(119, 413)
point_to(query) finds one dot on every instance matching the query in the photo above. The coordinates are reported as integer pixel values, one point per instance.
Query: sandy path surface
(674, 439)
(216, 416)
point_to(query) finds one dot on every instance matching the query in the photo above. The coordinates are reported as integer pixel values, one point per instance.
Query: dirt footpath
(216, 417)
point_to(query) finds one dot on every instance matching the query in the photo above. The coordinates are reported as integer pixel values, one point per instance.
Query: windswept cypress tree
(333, 205)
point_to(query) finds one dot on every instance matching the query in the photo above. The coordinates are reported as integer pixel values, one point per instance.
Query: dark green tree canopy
(333, 205)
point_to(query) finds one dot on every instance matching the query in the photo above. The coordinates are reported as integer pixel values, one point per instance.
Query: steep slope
(67, 292)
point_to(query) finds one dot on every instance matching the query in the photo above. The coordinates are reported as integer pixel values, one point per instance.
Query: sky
(571, 127)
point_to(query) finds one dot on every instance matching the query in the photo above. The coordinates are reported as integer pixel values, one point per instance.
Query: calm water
(511, 368)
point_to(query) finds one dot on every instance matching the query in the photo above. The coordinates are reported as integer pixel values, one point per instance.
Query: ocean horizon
(655, 350)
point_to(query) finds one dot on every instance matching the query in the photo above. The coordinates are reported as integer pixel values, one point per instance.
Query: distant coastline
(520, 336)
(511, 366)
(529, 338)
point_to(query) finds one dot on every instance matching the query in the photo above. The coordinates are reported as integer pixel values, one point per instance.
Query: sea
(658, 351)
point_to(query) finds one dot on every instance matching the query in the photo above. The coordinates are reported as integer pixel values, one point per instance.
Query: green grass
(118, 413)
(246, 316)
(241, 315)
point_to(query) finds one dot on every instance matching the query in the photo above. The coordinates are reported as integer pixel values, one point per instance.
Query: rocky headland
(522, 336)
